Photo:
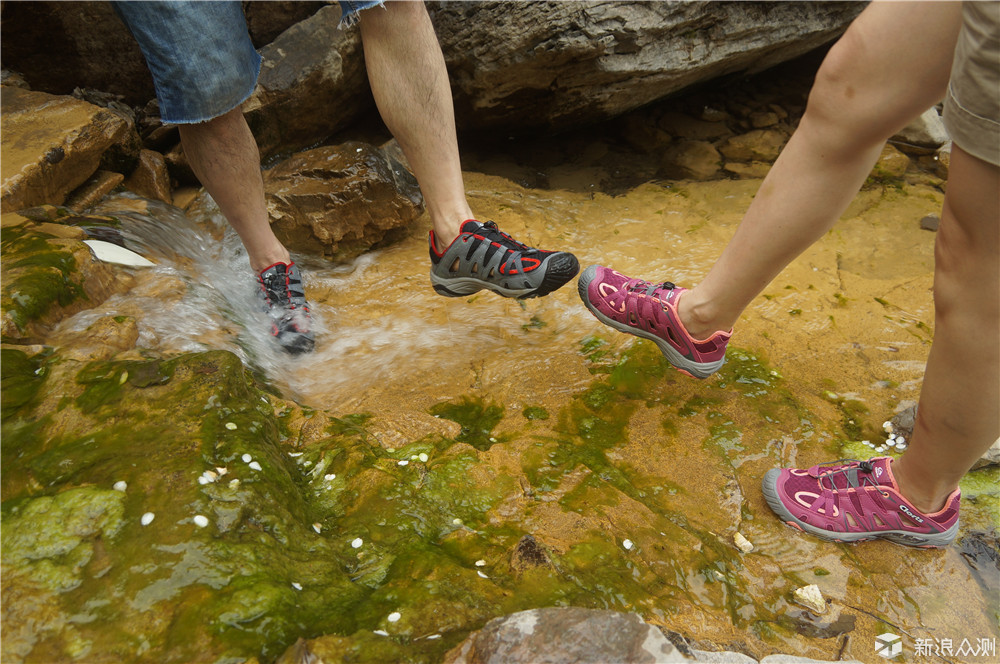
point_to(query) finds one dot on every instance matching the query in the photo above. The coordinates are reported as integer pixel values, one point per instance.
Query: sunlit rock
(756, 145)
(340, 201)
(891, 165)
(692, 160)
(51, 145)
(150, 178)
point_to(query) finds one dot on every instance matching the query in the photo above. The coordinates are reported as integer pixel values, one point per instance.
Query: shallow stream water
(600, 440)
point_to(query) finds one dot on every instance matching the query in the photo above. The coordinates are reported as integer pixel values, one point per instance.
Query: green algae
(477, 419)
(535, 413)
(39, 275)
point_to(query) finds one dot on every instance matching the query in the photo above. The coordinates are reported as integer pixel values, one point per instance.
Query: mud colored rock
(103, 339)
(566, 635)
(150, 178)
(692, 160)
(686, 127)
(756, 145)
(563, 64)
(753, 170)
(93, 190)
(891, 165)
(339, 201)
(760, 120)
(528, 554)
(51, 145)
(312, 83)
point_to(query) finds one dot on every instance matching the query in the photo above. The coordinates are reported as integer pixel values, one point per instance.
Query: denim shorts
(200, 54)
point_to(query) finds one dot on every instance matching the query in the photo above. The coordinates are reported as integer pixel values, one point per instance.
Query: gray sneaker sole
(555, 272)
(769, 485)
(697, 369)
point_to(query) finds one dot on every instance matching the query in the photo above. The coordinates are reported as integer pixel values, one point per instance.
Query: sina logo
(888, 645)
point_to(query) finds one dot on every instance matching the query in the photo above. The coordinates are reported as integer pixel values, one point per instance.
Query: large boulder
(561, 64)
(52, 144)
(340, 201)
(312, 83)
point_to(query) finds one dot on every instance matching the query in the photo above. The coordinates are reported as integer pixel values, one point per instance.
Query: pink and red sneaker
(856, 501)
(649, 311)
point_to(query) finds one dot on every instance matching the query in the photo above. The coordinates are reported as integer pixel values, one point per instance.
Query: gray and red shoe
(483, 256)
(649, 311)
(853, 501)
(279, 288)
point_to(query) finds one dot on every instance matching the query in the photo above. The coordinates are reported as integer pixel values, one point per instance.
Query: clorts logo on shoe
(911, 514)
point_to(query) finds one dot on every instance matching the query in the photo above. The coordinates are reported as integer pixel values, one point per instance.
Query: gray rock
(725, 657)
(564, 64)
(991, 457)
(566, 635)
(924, 135)
(312, 83)
(930, 222)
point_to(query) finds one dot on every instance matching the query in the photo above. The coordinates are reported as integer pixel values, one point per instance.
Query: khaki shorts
(972, 107)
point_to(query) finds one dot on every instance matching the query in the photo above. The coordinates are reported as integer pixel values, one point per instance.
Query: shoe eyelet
(885, 494)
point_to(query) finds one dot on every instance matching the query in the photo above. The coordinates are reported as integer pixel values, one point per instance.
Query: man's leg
(890, 66)
(410, 84)
(224, 155)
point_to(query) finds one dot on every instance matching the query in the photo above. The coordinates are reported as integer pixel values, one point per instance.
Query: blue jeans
(200, 54)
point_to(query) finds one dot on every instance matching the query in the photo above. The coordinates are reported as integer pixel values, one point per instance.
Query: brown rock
(761, 120)
(179, 168)
(93, 190)
(311, 84)
(267, 20)
(756, 145)
(150, 178)
(101, 340)
(684, 126)
(340, 200)
(51, 145)
(528, 554)
(891, 165)
(753, 170)
(692, 160)
(567, 634)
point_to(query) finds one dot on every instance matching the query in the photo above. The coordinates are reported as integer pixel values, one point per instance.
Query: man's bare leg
(957, 417)
(410, 84)
(892, 64)
(224, 155)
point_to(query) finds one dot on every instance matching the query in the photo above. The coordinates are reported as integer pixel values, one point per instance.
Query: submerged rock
(566, 635)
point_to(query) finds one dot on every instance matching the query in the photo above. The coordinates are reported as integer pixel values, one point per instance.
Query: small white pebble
(147, 518)
(200, 521)
(222, 471)
(414, 457)
(887, 425)
(480, 563)
(433, 636)
(296, 585)
(380, 632)
(423, 457)
(204, 480)
(318, 527)
(357, 542)
(254, 465)
(330, 476)
(231, 426)
(457, 522)
(866, 442)
(246, 458)
(482, 575)
(234, 483)
(394, 616)
(210, 475)
(880, 448)
(120, 486)
(892, 436)
(627, 544)
(295, 455)
(811, 598)
(900, 447)
(492, 439)
(900, 440)
(404, 462)
(742, 543)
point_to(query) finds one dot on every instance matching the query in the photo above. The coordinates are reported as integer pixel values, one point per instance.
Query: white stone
(357, 542)
(482, 575)
(423, 457)
(296, 585)
(480, 563)
(200, 520)
(394, 616)
(318, 527)
(231, 426)
(742, 543)
(380, 632)
(811, 598)
(120, 486)
(246, 458)
(330, 476)
(254, 465)
(147, 518)
(627, 544)
(403, 462)
(112, 253)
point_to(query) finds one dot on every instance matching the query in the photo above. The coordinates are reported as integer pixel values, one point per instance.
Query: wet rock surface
(340, 201)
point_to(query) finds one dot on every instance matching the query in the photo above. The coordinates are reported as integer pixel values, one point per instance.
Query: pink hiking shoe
(856, 501)
(649, 311)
